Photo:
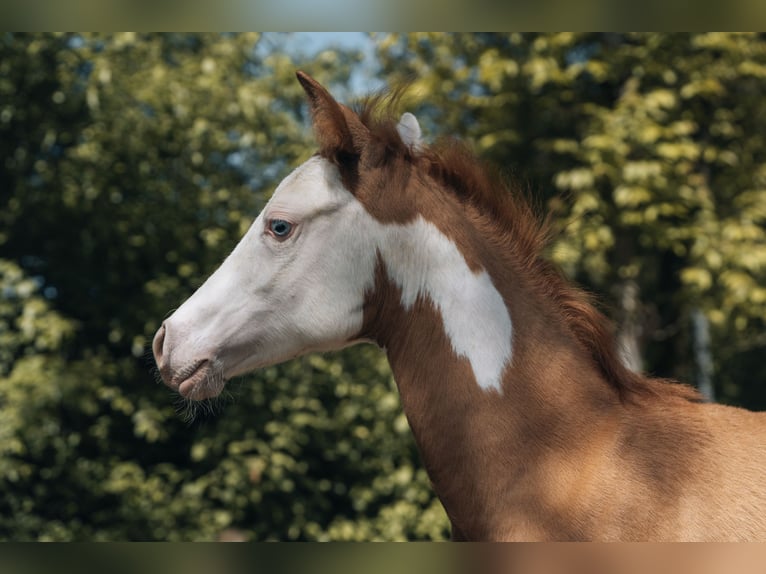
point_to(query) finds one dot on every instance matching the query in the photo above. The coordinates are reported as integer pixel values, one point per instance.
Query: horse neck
(479, 443)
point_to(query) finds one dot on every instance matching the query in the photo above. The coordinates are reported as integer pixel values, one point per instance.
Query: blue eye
(280, 227)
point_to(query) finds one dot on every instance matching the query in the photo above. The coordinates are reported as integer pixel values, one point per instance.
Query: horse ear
(409, 130)
(336, 127)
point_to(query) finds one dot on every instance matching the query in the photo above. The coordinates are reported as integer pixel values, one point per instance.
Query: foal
(528, 424)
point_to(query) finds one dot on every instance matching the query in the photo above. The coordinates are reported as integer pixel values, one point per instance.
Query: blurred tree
(650, 150)
(131, 165)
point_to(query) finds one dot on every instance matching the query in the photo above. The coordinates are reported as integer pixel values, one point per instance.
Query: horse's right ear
(336, 127)
(409, 130)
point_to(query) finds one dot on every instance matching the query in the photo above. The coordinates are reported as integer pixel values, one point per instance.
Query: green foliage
(132, 164)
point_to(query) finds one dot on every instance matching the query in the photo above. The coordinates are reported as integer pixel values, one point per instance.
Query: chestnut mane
(456, 167)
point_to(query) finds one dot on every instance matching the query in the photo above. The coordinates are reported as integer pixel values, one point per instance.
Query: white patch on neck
(421, 260)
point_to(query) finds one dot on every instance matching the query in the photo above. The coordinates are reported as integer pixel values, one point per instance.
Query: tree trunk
(629, 334)
(703, 358)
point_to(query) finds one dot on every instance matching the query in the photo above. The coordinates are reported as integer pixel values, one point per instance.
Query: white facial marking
(273, 299)
(276, 298)
(409, 130)
(423, 261)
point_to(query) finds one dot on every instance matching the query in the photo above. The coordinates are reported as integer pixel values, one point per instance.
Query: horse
(528, 424)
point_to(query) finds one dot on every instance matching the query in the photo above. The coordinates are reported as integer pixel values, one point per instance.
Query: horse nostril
(158, 344)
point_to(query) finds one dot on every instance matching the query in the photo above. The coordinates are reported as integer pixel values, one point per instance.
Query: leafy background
(130, 164)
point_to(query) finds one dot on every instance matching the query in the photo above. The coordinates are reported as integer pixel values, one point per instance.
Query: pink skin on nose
(186, 380)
